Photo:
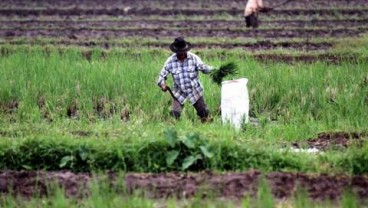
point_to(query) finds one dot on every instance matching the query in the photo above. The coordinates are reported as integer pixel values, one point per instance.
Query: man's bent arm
(162, 76)
(202, 67)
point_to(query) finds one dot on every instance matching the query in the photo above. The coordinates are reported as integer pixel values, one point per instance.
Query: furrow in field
(186, 185)
(213, 4)
(170, 12)
(260, 45)
(165, 32)
(184, 24)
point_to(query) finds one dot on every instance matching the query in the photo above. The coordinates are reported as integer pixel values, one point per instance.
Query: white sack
(235, 102)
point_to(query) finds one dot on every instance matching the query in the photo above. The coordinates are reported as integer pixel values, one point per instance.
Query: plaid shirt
(185, 76)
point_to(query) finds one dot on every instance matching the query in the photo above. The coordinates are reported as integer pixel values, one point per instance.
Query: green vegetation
(288, 94)
(91, 109)
(141, 152)
(357, 45)
(104, 111)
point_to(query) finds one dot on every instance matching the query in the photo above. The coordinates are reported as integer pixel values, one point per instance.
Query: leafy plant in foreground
(189, 152)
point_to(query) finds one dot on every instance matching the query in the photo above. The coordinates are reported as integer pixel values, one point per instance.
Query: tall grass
(335, 95)
(291, 102)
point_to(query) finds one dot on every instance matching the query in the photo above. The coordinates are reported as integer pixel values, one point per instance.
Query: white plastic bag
(235, 102)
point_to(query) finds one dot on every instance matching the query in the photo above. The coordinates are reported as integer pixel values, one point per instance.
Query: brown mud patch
(73, 109)
(260, 45)
(42, 105)
(9, 106)
(82, 133)
(77, 11)
(210, 24)
(158, 33)
(106, 108)
(186, 185)
(335, 140)
(235, 4)
(31, 183)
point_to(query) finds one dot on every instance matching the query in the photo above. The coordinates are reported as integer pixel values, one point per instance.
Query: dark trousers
(200, 106)
(252, 20)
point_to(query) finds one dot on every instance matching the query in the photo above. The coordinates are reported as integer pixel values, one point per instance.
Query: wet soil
(9, 106)
(82, 133)
(186, 185)
(77, 11)
(105, 34)
(260, 45)
(349, 19)
(200, 24)
(308, 4)
(335, 140)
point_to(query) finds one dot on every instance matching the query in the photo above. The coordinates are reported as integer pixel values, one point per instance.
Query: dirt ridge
(186, 185)
(169, 12)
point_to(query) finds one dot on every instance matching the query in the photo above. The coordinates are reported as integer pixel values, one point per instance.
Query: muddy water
(327, 140)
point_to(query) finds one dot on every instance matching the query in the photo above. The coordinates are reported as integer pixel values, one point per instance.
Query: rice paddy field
(84, 124)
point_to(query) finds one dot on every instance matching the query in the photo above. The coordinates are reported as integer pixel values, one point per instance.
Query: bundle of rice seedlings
(218, 74)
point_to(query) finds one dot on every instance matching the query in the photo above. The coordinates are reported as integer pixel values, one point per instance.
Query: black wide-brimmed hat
(180, 45)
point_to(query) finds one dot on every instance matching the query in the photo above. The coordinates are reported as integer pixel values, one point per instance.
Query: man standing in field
(251, 12)
(184, 67)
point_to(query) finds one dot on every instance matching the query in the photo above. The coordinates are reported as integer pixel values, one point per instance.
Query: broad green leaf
(171, 137)
(83, 153)
(190, 140)
(206, 152)
(65, 160)
(27, 167)
(190, 160)
(171, 157)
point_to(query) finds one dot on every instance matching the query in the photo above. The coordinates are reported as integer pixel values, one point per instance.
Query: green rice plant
(264, 195)
(218, 74)
(349, 200)
(292, 102)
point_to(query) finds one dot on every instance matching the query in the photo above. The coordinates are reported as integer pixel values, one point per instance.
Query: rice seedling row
(78, 95)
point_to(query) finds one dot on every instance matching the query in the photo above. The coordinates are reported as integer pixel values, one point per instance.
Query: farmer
(251, 12)
(184, 66)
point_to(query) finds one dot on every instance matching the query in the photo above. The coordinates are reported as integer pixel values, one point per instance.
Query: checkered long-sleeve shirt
(185, 76)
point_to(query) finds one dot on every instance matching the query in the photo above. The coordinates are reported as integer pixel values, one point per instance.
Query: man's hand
(164, 87)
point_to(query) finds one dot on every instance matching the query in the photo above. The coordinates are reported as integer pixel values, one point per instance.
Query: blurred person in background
(251, 11)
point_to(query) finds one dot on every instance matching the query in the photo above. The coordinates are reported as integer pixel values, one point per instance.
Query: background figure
(251, 12)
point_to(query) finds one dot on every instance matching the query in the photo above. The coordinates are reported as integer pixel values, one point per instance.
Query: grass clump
(218, 74)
